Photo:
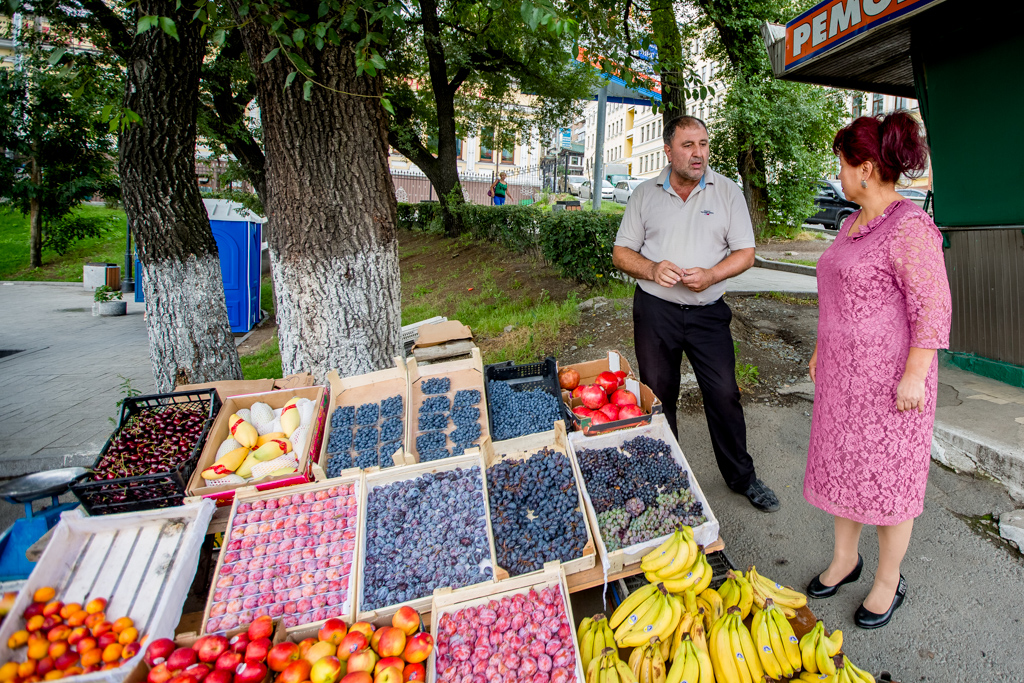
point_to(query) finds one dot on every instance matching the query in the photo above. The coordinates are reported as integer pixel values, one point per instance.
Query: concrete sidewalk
(761, 280)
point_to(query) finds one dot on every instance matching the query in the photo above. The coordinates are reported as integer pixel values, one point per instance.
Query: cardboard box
(614, 561)
(523, 448)
(442, 333)
(588, 375)
(464, 374)
(224, 493)
(241, 387)
(372, 387)
(445, 602)
(374, 480)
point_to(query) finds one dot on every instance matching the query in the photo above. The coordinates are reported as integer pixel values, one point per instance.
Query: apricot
(77, 619)
(37, 647)
(73, 671)
(44, 594)
(69, 609)
(112, 652)
(121, 624)
(96, 605)
(111, 665)
(129, 635)
(94, 618)
(77, 634)
(91, 657)
(35, 623)
(17, 639)
(54, 675)
(57, 648)
(85, 644)
(53, 607)
(8, 671)
(101, 628)
(26, 668)
(58, 632)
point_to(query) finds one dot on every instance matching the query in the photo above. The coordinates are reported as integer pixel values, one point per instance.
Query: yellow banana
(697, 635)
(663, 554)
(665, 646)
(783, 596)
(630, 619)
(843, 675)
(685, 555)
(586, 641)
(629, 605)
(722, 658)
(622, 671)
(809, 677)
(789, 639)
(645, 668)
(736, 648)
(763, 642)
(707, 671)
(635, 658)
(746, 596)
(592, 670)
(807, 646)
(690, 579)
(714, 599)
(585, 625)
(779, 647)
(821, 658)
(689, 601)
(861, 674)
(689, 665)
(706, 576)
(834, 643)
(677, 637)
(651, 624)
(658, 671)
(749, 652)
(675, 605)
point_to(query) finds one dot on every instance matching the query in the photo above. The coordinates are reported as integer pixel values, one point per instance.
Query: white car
(575, 181)
(914, 194)
(586, 190)
(624, 190)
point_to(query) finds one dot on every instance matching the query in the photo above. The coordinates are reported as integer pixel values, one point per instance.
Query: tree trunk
(189, 336)
(442, 172)
(755, 187)
(35, 223)
(330, 199)
(670, 58)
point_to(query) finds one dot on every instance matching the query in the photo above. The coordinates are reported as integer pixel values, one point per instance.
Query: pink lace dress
(879, 293)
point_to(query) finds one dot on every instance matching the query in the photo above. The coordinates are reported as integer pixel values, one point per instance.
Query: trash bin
(95, 275)
(113, 276)
(239, 238)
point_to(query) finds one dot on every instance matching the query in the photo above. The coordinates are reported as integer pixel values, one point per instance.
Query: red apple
(296, 672)
(621, 374)
(351, 643)
(414, 672)
(357, 677)
(582, 411)
(362, 660)
(281, 655)
(228, 661)
(391, 643)
(418, 648)
(220, 676)
(209, 648)
(389, 675)
(250, 672)
(305, 644)
(326, 670)
(257, 650)
(333, 631)
(199, 670)
(568, 379)
(622, 397)
(159, 673)
(180, 678)
(406, 619)
(240, 642)
(593, 396)
(181, 659)
(388, 663)
(628, 412)
(610, 411)
(261, 627)
(363, 627)
(607, 381)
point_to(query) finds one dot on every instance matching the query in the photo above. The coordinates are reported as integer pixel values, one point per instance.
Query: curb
(51, 283)
(963, 451)
(785, 267)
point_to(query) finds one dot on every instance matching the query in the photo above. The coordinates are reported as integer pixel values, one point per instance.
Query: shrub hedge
(577, 243)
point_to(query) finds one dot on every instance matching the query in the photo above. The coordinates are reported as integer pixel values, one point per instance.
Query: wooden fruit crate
(372, 387)
(251, 494)
(445, 602)
(705, 534)
(523, 448)
(143, 563)
(464, 374)
(409, 472)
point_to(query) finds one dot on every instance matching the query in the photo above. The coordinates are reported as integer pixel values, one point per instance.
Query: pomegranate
(583, 411)
(630, 411)
(622, 397)
(593, 396)
(598, 418)
(611, 411)
(607, 381)
(621, 374)
(569, 379)
(577, 392)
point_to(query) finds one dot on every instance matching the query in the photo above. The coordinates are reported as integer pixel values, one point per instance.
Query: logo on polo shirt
(707, 213)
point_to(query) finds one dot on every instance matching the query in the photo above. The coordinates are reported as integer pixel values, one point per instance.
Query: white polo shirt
(700, 232)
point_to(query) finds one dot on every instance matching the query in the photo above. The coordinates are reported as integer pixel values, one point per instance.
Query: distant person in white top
(683, 234)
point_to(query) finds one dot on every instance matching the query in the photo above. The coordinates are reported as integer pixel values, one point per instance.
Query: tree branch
(117, 32)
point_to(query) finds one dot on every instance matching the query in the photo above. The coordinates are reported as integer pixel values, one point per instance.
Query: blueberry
(436, 385)
(368, 414)
(391, 407)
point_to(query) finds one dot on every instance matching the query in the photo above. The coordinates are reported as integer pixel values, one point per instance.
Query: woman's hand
(812, 364)
(910, 393)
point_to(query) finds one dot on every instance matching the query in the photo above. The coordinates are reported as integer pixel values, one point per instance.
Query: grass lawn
(264, 363)
(14, 232)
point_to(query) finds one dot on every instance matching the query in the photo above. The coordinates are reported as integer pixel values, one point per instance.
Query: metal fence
(525, 185)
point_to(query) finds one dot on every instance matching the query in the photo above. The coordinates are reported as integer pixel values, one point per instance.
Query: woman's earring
(864, 184)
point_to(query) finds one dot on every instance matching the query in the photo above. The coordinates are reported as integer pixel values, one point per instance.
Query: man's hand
(666, 274)
(698, 279)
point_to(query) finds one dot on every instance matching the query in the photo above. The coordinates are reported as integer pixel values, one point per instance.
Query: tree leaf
(387, 106)
(271, 55)
(168, 26)
(56, 55)
(307, 90)
(219, 36)
(298, 35)
(290, 78)
(145, 23)
(78, 93)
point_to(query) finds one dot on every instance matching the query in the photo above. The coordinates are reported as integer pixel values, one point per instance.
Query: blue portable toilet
(239, 236)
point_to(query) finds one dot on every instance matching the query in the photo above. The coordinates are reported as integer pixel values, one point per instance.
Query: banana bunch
(817, 650)
(690, 626)
(692, 664)
(776, 644)
(737, 592)
(594, 635)
(679, 563)
(787, 599)
(732, 650)
(656, 615)
(647, 663)
(606, 667)
(713, 606)
(845, 673)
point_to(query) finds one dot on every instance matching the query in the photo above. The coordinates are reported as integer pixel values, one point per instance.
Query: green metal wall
(970, 82)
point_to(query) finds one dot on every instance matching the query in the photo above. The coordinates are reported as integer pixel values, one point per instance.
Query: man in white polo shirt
(683, 234)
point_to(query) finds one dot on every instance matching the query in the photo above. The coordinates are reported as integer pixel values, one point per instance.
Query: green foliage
(127, 391)
(264, 363)
(104, 293)
(14, 251)
(513, 227)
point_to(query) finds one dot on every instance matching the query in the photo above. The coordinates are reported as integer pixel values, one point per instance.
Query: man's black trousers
(663, 332)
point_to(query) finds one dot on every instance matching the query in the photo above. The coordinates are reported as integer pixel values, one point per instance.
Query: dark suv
(833, 206)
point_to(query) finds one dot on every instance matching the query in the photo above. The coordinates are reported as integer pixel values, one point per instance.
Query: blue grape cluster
(466, 397)
(431, 421)
(518, 413)
(436, 385)
(535, 513)
(368, 414)
(430, 441)
(391, 407)
(423, 534)
(638, 491)
(391, 430)
(466, 435)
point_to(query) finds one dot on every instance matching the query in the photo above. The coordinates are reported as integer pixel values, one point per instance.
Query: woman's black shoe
(869, 620)
(816, 589)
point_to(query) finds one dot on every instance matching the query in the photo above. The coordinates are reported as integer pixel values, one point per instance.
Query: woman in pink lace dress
(884, 309)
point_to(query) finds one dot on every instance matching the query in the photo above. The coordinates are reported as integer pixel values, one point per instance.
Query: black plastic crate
(148, 491)
(526, 377)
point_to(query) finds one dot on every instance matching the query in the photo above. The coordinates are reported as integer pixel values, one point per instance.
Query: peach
(92, 657)
(96, 605)
(53, 607)
(333, 631)
(305, 644)
(77, 634)
(325, 670)
(69, 609)
(121, 624)
(86, 643)
(362, 660)
(318, 651)
(51, 621)
(388, 663)
(407, 620)
(44, 666)
(44, 594)
(363, 627)
(112, 652)
(66, 661)
(108, 638)
(281, 655)
(351, 643)
(131, 649)
(389, 675)
(357, 677)
(296, 672)
(391, 643)
(103, 627)
(17, 639)
(418, 648)
(94, 618)
(261, 627)
(414, 672)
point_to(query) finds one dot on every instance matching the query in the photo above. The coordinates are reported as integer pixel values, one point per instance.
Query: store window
(877, 104)
(901, 103)
(486, 142)
(858, 105)
(458, 149)
(508, 156)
